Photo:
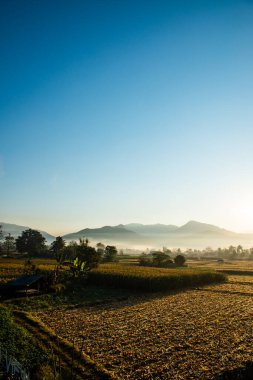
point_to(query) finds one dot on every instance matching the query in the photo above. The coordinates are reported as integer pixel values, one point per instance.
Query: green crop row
(152, 279)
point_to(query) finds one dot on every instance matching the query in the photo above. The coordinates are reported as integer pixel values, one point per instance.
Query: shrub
(180, 260)
(158, 259)
(144, 260)
(110, 254)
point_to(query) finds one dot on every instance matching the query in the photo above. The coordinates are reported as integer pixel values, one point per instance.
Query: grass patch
(20, 344)
(152, 279)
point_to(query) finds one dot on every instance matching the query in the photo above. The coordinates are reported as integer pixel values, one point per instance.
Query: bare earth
(195, 334)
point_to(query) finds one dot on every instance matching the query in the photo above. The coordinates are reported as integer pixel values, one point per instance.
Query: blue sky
(126, 111)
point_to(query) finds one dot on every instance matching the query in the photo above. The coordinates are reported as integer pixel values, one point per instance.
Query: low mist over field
(192, 234)
(140, 236)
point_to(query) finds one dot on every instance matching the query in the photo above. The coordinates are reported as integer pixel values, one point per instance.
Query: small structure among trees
(24, 285)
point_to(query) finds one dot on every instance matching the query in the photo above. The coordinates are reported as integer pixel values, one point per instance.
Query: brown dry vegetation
(195, 334)
(241, 265)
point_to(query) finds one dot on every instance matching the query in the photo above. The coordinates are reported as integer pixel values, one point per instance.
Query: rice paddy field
(150, 279)
(195, 334)
(199, 333)
(12, 268)
(227, 265)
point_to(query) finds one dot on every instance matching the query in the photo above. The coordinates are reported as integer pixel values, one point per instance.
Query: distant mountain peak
(197, 227)
(16, 230)
(105, 232)
(147, 229)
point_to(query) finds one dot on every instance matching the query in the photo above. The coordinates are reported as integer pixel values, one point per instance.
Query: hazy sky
(126, 111)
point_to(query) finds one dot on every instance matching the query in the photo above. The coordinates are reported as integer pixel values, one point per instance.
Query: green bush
(179, 260)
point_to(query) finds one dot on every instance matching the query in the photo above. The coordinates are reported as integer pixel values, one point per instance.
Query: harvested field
(196, 334)
(235, 265)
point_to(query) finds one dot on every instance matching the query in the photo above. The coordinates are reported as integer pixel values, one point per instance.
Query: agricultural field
(227, 265)
(195, 334)
(152, 279)
(12, 268)
(198, 333)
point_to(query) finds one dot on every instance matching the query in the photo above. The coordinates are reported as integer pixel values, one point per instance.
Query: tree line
(229, 253)
(33, 244)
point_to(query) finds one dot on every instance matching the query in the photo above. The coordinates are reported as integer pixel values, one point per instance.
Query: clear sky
(126, 111)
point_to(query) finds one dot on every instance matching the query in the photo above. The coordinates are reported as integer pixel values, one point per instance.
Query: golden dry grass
(240, 265)
(12, 268)
(152, 278)
(196, 334)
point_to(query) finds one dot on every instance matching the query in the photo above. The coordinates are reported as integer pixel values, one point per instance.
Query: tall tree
(1, 237)
(31, 242)
(88, 254)
(100, 248)
(57, 247)
(110, 253)
(70, 250)
(87, 258)
(180, 260)
(9, 244)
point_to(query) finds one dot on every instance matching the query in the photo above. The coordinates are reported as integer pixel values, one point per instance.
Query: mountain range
(16, 230)
(192, 235)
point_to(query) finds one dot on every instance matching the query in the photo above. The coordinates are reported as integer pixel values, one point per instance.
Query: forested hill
(191, 235)
(16, 230)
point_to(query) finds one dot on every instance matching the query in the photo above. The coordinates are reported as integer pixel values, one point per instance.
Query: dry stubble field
(195, 334)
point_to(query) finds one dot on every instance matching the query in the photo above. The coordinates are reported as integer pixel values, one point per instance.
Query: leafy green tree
(86, 259)
(57, 247)
(9, 244)
(239, 250)
(232, 252)
(84, 241)
(145, 260)
(180, 260)
(70, 250)
(110, 253)
(100, 248)
(31, 242)
(1, 237)
(89, 255)
(161, 258)
(251, 253)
